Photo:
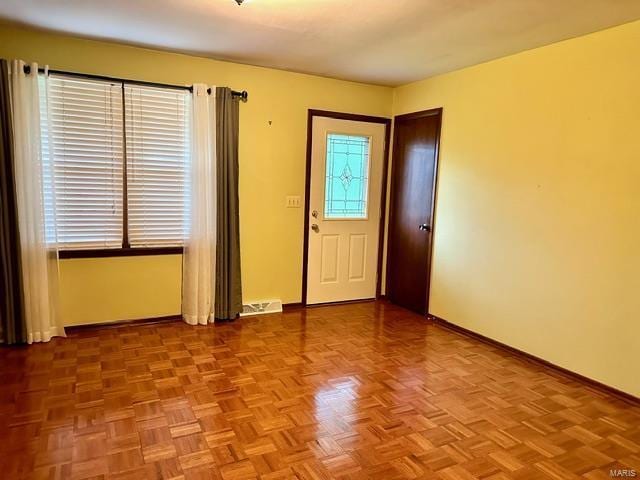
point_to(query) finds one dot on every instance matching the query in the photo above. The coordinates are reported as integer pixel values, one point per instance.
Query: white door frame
(383, 200)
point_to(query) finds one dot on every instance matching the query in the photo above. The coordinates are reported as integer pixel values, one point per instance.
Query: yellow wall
(538, 214)
(96, 290)
(272, 163)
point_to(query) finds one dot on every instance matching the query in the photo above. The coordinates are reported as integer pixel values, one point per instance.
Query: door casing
(307, 188)
(434, 194)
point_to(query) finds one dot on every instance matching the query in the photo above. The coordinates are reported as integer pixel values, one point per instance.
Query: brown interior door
(413, 182)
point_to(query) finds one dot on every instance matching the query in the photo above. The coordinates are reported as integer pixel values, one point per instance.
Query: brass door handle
(315, 227)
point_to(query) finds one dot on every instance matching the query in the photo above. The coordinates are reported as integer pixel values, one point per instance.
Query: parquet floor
(354, 392)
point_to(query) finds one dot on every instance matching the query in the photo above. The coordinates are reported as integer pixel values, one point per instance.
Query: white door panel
(329, 253)
(357, 257)
(347, 160)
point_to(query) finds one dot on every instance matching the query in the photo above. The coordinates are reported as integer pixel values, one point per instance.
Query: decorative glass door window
(346, 177)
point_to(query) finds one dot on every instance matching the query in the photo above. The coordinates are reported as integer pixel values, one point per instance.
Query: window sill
(119, 252)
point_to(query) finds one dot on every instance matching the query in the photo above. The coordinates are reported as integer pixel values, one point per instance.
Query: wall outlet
(293, 201)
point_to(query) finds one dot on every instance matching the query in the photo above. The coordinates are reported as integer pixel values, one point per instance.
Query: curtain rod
(243, 95)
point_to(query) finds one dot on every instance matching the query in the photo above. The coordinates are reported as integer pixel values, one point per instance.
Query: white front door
(344, 209)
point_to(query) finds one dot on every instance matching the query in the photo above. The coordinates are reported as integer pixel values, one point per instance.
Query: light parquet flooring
(356, 391)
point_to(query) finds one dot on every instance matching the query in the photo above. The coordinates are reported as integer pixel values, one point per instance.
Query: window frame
(366, 199)
(125, 250)
(119, 252)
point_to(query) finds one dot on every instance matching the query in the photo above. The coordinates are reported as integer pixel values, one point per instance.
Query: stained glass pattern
(347, 176)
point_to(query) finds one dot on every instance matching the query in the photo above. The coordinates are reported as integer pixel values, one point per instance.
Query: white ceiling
(387, 42)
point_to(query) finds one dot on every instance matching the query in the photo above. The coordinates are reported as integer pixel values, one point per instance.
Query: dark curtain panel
(13, 328)
(228, 281)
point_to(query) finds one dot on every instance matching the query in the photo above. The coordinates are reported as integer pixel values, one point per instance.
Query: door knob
(315, 227)
(424, 227)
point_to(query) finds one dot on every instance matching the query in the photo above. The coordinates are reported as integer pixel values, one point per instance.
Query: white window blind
(47, 164)
(84, 148)
(157, 124)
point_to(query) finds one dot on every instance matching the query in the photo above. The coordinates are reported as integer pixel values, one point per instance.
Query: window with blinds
(119, 156)
(157, 160)
(83, 148)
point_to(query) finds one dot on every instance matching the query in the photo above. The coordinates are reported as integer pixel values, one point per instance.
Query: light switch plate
(293, 201)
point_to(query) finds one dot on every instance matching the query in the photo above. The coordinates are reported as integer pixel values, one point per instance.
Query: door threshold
(341, 302)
